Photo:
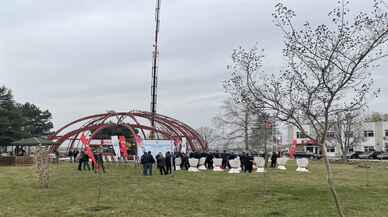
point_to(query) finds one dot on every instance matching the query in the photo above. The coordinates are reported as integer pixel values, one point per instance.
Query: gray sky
(79, 57)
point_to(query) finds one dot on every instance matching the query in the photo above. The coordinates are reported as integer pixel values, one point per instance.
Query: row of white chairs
(196, 165)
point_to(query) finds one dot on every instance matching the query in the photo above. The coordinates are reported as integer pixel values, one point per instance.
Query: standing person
(150, 162)
(274, 159)
(56, 152)
(242, 161)
(75, 154)
(100, 162)
(168, 162)
(94, 167)
(249, 164)
(181, 155)
(161, 163)
(209, 161)
(185, 162)
(143, 161)
(225, 161)
(79, 158)
(85, 161)
(71, 155)
(137, 161)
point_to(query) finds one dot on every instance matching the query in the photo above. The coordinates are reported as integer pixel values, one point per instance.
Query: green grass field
(125, 192)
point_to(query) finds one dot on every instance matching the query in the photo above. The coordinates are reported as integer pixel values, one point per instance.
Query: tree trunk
(344, 152)
(330, 181)
(246, 125)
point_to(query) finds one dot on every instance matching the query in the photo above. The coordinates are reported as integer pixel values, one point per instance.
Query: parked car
(382, 156)
(309, 155)
(353, 155)
(369, 155)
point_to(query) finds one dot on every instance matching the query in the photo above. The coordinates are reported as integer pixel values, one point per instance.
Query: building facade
(374, 137)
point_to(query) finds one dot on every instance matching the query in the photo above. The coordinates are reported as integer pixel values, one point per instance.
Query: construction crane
(155, 62)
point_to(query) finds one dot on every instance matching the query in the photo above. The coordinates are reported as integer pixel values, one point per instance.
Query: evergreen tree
(21, 120)
(11, 121)
(36, 122)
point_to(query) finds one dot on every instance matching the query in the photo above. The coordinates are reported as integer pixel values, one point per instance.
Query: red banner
(88, 150)
(177, 141)
(292, 150)
(138, 140)
(123, 146)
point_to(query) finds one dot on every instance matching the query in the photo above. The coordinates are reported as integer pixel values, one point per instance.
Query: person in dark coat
(209, 161)
(71, 155)
(75, 154)
(85, 161)
(79, 158)
(249, 163)
(168, 162)
(161, 163)
(243, 159)
(143, 160)
(147, 160)
(100, 162)
(184, 162)
(225, 160)
(274, 159)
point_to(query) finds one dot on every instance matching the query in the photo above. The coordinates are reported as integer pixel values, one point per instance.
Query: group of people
(164, 162)
(147, 160)
(83, 161)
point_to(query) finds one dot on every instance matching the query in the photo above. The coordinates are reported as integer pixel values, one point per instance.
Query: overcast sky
(79, 57)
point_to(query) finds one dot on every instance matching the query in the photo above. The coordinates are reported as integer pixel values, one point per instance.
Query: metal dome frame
(165, 128)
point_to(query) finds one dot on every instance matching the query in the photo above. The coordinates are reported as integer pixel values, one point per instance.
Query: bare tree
(246, 117)
(348, 131)
(209, 135)
(328, 72)
(235, 124)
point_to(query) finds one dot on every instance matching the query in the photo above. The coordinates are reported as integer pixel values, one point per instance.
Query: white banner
(116, 145)
(155, 146)
(184, 146)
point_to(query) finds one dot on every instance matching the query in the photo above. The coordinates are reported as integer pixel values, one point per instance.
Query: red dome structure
(140, 121)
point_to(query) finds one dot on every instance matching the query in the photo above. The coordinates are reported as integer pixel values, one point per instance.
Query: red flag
(84, 139)
(87, 149)
(177, 141)
(292, 150)
(138, 140)
(123, 146)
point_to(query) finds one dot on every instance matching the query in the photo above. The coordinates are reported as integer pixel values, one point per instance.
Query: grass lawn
(125, 192)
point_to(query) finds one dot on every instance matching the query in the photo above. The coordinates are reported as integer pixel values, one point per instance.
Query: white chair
(202, 164)
(282, 162)
(302, 165)
(193, 165)
(217, 162)
(178, 162)
(260, 163)
(235, 165)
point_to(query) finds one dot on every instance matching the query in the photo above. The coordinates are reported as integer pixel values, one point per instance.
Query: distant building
(374, 138)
